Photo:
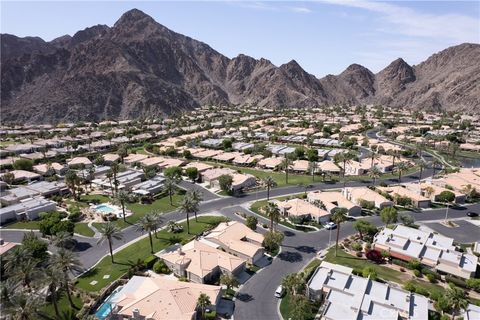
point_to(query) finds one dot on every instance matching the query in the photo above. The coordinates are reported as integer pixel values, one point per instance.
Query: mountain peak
(132, 16)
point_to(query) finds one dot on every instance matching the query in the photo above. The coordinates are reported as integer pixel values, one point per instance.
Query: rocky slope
(139, 68)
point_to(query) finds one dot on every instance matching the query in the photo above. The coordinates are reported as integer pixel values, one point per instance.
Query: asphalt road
(469, 232)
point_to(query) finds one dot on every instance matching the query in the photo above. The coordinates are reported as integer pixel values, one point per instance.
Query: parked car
(472, 214)
(330, 225)
(279, 292)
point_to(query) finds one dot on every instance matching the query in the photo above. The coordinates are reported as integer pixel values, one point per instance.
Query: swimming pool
(105, 208)
(107, 306)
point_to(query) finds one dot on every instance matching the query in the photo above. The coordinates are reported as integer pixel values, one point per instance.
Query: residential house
(302, 209)
(418, 200)
(364, 194)
(27, 209)
(334, 200)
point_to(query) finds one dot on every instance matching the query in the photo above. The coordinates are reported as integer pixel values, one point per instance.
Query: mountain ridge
(139, 68)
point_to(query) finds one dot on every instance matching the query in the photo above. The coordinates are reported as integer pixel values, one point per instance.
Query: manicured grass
(30, 225)
(286, 306)
(63, 305)
(94, 198)
(83, 229)
(348, 260)
(140, 250)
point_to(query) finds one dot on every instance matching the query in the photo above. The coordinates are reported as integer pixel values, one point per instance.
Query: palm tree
(149, 223)
(269, 183)
(456, 299)
(285, 165)
(16, 257)
(312, 166)
(109, 231)
(196, 198)
(375, 173)
(115, 169)
(435, 163)
(373, 156)
(53, 282)
(273, 213)
(169, 186)
(109, 176)
(72, 181)
(345, 158)
(339, 217)
(8, 288)
(294, 283)
(187, 206)
(401, 168)
(66, 261)
(421, 166)
(123, 197)
(24, 306)
(203, 302)
(27, 272)
(62, 239)
(91, 172)
(394, 154)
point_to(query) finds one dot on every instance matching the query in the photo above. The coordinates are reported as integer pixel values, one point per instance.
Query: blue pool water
(107, 306)
(105, 208)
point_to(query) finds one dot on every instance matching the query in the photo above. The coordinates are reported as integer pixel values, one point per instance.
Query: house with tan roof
(432, 191)
(151, 162)
(159, 298)
(213, 174)
(303, 209)
(271, 163)
(361, 194)
(334, 200)
(226, 156)
(300, 166)
(200, 262)
(418, 200)
(23, 175)
(328, 166)
(355, 168)
(201, 167)
(78, 162)
(134, 158)
(238, 239)
(171, 162)
(46, 169)
(242, 181)
(110, 158)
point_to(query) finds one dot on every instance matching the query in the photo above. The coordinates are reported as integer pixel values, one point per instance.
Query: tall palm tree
(269, 183)
(435, 163)
(16, 257)
(312, 167)
(27, 272)
(53, 282)
(394, 154)
(375, 173)
(122, 198)
(373, 156)
(401, 168)
(294, 283)
(91, 172)
(72, 181)
(169, 186)
(62, 239)
(285, 165)
(196, 197)
(109, 232)
(8, 288)
(66, 261)
(203, 302)
(115, 169)
(456, 299)
(345, 158)
(109, 176)
(188, 206)
(421, 166)
(273, 213)
(149, 223)
(339, 217)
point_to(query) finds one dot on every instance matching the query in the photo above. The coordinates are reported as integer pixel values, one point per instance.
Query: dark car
(472, 214)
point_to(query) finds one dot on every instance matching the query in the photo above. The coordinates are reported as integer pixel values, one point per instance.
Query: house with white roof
(360, 194)
(27, 209)
(433, 250)
(347, 296)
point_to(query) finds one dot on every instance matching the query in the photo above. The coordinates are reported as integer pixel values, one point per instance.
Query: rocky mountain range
(140, 68)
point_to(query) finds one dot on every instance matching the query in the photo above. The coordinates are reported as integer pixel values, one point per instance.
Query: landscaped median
(106, 272)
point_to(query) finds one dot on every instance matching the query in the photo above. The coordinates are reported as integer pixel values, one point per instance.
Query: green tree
(364, 227)
(375, 173)
(109, 231)
(407, 220)
(36, 247)
(312, 155)
(122, 198)
(68, 263)
(196, 197)
(300, 308)
(339, 217)
(229, 281)
(272, 241)
(8, 178)
(188, 206)
(53, 282)
(299, 152)
(24, 306)
(285, 165)
(446, 197)
(456, 299)
(149, 223)
(251, 222)
(294, 284)
(174, 173)
(122, 153)
(369, 272)
(227, 144)
(269, 183)
(192, 173)
(273, 213)
(203, 302)
(23, 164)
(72, 181)
(170, 187)
(401, 168)
(225, 181)
(389, 215)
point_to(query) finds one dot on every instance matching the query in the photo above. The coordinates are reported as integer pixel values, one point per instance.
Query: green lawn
(161, 204)
(140, 250)
(286, 306)
(31, 225)
(83, 229)
(63, 305)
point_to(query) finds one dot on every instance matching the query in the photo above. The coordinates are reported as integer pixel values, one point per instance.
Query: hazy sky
(322, 36)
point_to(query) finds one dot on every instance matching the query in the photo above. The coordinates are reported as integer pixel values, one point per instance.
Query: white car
(279, 292)
(330, 225)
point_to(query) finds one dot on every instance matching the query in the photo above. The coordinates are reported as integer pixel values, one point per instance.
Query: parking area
(466, 232)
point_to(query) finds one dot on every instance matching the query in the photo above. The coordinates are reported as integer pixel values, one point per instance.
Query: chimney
(136, 314)
(1, 242)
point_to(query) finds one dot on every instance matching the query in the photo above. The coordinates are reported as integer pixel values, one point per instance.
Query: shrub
(359, 254)
(211, 315)
(375, 256)
(431, 278)
(161, 267)
(417, 273)
(369, 272)
(400, 263)
(150, 261)
(251, 222)
(456, 281)
(409, 286)
(357, 246)
(474, 284)
(422, 291)
(415, 265)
